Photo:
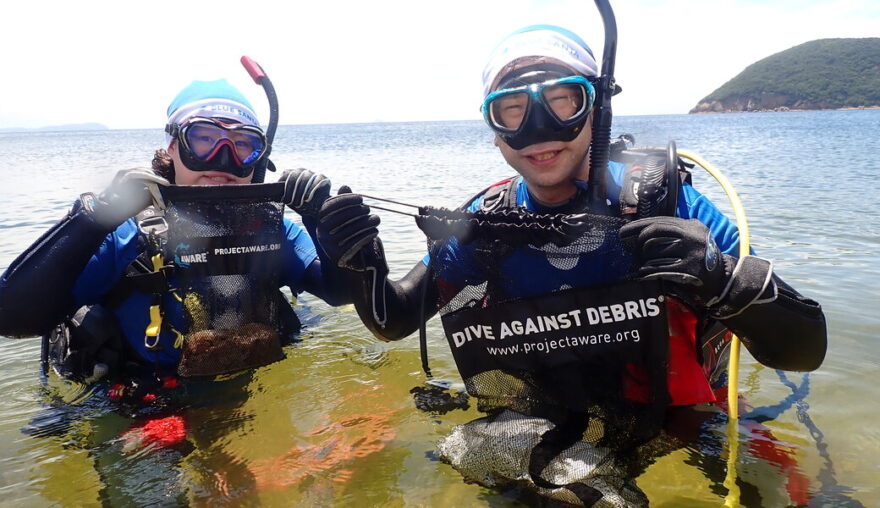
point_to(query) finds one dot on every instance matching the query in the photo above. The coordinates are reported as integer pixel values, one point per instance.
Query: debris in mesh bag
(213, 352)
(495, 451)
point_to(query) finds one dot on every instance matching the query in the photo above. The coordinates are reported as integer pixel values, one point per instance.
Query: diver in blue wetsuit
(98, 260)
(544, 98)
(551, 153)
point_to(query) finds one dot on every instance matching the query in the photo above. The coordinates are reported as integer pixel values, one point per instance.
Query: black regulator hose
(673, 182)
(259, 76)
(605, 88)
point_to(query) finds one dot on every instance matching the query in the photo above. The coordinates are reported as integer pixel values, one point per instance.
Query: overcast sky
(340, 61)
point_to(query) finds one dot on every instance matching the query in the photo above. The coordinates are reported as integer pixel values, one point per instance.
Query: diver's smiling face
(185, 176)
(549, 167)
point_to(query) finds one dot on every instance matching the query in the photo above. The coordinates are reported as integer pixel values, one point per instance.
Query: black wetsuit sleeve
(324, 279)
(327, 284)
(787, 333)
(390, 309)
(52, 264)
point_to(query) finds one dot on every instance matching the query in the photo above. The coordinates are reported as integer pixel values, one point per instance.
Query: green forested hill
(820, 74)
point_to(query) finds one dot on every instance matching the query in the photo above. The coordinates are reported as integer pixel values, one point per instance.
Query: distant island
(820, 74)
(56, 128)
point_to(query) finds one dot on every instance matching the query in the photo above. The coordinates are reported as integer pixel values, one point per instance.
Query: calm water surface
(334, 423)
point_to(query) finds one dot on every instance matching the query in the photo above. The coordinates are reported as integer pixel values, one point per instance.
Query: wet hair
(163, 165)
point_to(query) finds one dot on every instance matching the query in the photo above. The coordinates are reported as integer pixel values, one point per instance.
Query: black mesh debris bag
(564, 351)
(225, 243)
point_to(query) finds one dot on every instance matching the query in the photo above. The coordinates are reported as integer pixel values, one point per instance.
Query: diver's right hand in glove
(305, 191)
(128, 194)
(345, 226)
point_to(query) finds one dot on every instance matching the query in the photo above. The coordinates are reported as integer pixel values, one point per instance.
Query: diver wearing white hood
(559, 341)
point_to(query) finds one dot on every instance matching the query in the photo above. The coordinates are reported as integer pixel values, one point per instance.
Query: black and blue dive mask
(211, 144)
(535, 106)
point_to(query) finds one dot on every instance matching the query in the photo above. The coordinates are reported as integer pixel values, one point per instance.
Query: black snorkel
(605, 87)
(259, 76)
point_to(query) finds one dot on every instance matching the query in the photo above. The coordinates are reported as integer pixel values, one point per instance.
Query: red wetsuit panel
(686, 381)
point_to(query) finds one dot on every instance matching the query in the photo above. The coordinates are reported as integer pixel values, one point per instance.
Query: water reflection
(335, 422)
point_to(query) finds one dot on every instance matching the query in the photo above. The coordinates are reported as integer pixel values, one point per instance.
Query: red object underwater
(155, 433)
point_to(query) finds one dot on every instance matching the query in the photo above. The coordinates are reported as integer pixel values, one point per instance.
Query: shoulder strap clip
(501, 196)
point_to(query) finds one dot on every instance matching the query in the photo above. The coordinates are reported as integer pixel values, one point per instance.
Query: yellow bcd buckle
(151, 334)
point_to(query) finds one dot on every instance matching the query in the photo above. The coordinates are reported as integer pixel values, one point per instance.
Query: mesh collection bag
(225, 243)
(564, 351)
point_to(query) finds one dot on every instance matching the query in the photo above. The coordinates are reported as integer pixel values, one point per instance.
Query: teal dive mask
(549, 110)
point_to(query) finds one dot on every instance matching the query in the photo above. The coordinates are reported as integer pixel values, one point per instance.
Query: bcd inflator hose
(732, 498)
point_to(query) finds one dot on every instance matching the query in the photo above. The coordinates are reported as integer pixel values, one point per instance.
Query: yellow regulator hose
(732, 499)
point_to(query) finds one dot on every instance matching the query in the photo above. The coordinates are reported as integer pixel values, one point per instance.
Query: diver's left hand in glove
(305, 191)
(131, 191)
(682, 251)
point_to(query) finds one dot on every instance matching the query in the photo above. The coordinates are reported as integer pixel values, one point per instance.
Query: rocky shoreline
(765, 102)
(708, 108)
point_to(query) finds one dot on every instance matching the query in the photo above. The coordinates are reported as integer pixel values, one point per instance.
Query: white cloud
(120, 63)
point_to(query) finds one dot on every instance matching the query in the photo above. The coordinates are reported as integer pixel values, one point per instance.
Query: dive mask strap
(172, 129)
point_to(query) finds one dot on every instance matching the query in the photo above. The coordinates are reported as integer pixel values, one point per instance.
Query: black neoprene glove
(129, 193)
(345, 226)
(305, 191)
(682, 251)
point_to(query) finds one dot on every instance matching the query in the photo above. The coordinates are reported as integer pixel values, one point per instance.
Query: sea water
(335, 423)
